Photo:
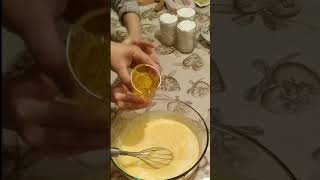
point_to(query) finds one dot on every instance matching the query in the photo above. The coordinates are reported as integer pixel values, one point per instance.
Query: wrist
(132, 22)
(133, 38)
(134, 34)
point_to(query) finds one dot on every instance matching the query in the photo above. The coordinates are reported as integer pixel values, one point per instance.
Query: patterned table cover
(185, 77)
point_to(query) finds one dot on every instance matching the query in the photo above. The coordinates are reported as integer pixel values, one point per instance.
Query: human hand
(35, 22)
(125, 100)
(189, 3)
(45, 44)
(172, 5)
(48, 126)
(124, 56)
(59, 129)
(145, 45)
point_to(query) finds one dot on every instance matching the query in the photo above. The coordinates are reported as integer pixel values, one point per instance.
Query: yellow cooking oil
(145, 80)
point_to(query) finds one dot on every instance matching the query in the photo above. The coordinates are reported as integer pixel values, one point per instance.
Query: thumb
(124, 76)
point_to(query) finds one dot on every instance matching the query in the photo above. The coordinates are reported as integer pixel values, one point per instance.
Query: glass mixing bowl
(86, 57)
(162, 103)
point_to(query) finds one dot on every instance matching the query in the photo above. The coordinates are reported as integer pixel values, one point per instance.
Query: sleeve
(121, 7)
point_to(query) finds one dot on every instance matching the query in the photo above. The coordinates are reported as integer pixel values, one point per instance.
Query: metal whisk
(155, 157)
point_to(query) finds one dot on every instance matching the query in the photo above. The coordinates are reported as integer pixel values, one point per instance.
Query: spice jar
(186, 35)
(168, 24)
(186, 13)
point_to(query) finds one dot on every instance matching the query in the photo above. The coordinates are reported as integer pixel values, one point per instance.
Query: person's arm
(128, 12)
(34, 22)
(132, 23)
(124, 56)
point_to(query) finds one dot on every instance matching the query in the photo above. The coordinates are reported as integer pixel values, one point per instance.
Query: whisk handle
(115, 152)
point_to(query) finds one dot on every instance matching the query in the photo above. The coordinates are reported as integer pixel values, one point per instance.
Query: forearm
(132, 22)
(128, 12)
(50, 54)
(47, 48)
(34, 23)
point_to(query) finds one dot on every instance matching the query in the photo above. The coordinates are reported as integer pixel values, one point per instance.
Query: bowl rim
(84, 18)
(200, 158)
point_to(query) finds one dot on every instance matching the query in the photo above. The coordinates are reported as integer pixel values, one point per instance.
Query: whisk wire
(155, 157)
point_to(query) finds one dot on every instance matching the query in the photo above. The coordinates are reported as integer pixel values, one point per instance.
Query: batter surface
(151, 131)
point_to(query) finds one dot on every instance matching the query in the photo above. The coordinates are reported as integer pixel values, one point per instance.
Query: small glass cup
(145, 80)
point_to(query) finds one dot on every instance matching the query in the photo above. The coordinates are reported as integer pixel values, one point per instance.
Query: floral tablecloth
(185, 77)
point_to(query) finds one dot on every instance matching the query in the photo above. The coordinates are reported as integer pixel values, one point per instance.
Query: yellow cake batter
(153, 130)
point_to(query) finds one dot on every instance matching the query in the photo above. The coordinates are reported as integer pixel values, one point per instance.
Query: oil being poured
(145, 80)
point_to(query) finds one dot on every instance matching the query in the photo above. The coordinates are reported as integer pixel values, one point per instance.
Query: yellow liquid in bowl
(149, 131)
